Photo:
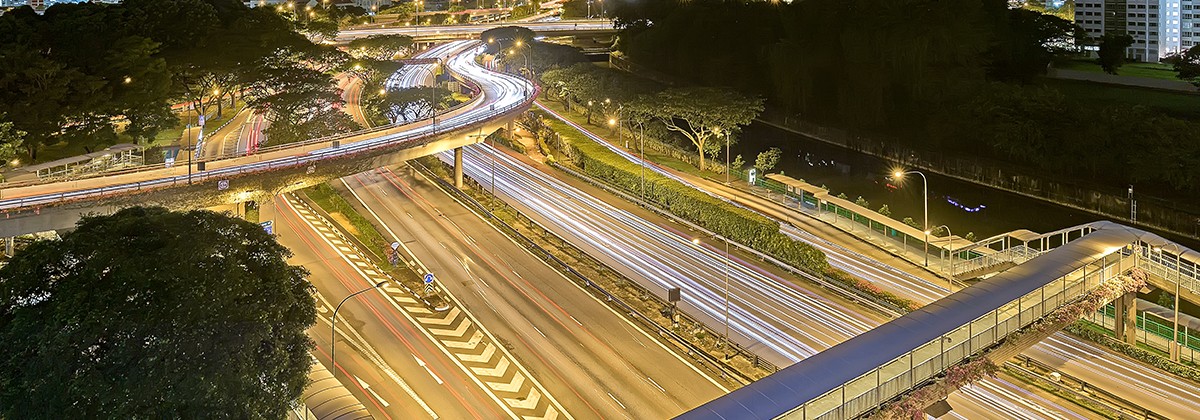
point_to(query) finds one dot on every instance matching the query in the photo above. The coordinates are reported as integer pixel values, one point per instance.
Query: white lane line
(576, 320)
(610, 395)
(656, 384)
(540, 332)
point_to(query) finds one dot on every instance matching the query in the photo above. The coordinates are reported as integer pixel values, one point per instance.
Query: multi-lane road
(605, 366)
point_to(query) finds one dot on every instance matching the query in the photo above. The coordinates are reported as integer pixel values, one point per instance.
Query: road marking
(446, 319)
(656, 384)
(527, 403)
(488, 351)
(540, 332)
(422, 364)
(498, 371)
(513, 385)
(518, 274)
(457, 332)
(610, 395)
(576, 320)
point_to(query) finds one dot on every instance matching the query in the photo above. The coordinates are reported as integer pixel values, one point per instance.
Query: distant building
(1157, 28)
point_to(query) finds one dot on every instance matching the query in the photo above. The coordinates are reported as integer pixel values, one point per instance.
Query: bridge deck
(860, 374)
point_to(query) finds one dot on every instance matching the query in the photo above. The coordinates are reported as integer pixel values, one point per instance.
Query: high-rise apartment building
(1156, 26)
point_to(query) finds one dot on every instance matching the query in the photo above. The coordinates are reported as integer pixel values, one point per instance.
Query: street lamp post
(333, 322)
(925, 198)
(1174, 348)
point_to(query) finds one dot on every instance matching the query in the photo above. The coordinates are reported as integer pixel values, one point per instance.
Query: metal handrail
(341, 151)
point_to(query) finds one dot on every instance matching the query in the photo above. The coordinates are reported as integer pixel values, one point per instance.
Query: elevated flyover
(436, 33)
(501, 97)
(858, 376)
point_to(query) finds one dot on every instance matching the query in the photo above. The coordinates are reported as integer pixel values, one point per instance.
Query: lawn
(1180, 104)
(1150, 70)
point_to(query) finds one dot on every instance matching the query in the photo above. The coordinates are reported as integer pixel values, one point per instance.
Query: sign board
(201, 120)
(268, 226)
(673, 294)
(752, 176)
(395, 246)
(428, 288)
(429, 279)
(311, 169)
(223, 185)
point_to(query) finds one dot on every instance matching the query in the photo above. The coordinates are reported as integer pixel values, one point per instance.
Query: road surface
(612, 368)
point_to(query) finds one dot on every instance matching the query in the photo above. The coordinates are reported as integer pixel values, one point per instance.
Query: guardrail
(570, 272)
(335, 150)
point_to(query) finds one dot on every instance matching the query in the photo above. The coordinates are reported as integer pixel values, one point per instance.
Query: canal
(962, 206)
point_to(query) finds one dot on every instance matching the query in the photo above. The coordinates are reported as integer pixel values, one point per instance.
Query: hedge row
(1080, 329)
(735, 223)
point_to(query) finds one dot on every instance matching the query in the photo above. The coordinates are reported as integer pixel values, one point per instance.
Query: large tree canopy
(700, 113)
(154, 314)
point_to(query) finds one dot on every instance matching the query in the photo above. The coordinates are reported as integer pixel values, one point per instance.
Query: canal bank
(962, 205)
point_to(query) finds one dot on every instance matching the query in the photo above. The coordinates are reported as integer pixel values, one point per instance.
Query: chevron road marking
(488, 351)
(449, 318)
(512, 386)
(512, 389)
(469, 344)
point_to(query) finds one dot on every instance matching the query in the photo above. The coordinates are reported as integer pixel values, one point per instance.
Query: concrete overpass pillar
(1125, 319)
(458, 167)
(508, 128)
(8, 246)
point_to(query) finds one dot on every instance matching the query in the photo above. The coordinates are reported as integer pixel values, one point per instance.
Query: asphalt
(402, 349)
(594, 361)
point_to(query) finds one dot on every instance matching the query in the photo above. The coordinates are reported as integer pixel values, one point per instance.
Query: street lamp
(333, 322)
(925, 196)
(725, 260)
(1174, 348)
(432, 97)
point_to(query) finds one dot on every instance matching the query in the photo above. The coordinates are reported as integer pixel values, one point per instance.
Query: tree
(767, 159)
(1187, 65)
(738, 163)
(149, 313)
(862, 202)
(700, 113)
(885, 210)
(11, 140)
(380, 47)
(1112, 51)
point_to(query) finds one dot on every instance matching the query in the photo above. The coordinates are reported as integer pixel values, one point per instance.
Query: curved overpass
(500, 95)
(448, 32)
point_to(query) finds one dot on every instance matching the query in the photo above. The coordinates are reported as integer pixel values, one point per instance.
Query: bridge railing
(922, 364)
(338, 151)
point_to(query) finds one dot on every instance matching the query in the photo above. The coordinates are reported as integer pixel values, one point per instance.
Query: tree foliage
(947, 79)
(767, 159)
(1187, 65)
(154, 314)
(380, 47)
(700, 113)
(409, 104)
(82, 72)
(1112, 51)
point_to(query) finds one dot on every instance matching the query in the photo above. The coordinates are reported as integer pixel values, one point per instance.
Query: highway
(772, 316)
(1103, 368)
(458, 31)
(612, 368)
(402, 349)
(500, 94)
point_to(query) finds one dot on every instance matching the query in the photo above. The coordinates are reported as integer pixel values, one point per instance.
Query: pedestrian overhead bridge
(858, 376)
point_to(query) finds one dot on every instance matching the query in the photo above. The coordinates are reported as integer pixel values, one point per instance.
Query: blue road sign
(269, 226)
(428, 278)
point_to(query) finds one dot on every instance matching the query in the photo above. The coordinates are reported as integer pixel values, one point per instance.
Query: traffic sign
(223, 185)
(269, 226)
(395, 246)
(429, 279)
(201, 120)
(428, 288)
